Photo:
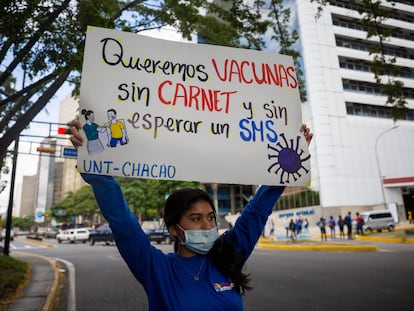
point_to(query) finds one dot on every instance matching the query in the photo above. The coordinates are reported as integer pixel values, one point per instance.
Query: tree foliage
(81, 202)
(24, 223)
(146, 197)
(374, 15)
(42, 41)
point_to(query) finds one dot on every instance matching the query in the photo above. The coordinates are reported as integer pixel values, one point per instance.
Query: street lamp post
(378, 165)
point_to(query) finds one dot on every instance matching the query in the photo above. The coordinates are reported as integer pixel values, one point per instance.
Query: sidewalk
(312, 241)
(41, 292)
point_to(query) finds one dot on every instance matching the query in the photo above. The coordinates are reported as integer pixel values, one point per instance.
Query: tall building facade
(56, 175)
(360, 157)
(29, 190)
(71, 180)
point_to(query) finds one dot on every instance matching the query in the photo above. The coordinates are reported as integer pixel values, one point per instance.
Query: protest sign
(159, 109)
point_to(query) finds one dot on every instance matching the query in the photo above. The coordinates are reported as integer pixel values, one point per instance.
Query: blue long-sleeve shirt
(168, 279)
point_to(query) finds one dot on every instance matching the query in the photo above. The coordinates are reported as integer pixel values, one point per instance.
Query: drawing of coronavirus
(287, 159)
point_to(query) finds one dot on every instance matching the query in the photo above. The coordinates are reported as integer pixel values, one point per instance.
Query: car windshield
(104, 227)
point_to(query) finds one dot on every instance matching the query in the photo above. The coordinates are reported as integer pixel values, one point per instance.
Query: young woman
(205, 272)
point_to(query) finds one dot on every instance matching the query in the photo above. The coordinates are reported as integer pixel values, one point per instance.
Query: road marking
(71, 290)
(383, 250)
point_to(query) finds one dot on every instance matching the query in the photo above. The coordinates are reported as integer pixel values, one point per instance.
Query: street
(282, 280)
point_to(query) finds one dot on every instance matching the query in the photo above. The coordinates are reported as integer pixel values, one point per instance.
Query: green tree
(146, 197)
(374, 16)
(85, 203)
(81, 202)
(24, 223)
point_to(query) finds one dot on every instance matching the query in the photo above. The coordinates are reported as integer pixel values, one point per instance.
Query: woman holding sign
(206, 270)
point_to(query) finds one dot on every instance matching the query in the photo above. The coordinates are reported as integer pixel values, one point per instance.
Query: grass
(14, 275)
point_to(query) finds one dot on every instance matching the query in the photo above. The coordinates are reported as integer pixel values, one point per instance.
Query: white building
(359, 157)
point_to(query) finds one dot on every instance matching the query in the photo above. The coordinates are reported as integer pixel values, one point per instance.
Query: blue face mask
(199, 241)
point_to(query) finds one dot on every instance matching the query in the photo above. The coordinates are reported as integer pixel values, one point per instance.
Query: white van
(378, 220)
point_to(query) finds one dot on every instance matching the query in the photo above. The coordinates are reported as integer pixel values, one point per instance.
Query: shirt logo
(223, 287)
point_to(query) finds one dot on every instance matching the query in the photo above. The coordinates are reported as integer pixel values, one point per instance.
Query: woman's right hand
(76, 137)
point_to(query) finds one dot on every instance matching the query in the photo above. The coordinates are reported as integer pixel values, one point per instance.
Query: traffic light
(46, 149)
(64, 131)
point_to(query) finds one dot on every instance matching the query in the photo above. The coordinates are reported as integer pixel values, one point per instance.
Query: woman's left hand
(307, 133)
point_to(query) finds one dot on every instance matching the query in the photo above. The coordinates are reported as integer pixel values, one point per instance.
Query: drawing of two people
(108, 135)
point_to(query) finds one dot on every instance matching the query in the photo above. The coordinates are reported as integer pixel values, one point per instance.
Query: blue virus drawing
(287, 159)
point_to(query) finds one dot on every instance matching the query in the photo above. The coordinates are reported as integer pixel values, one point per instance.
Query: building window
(365, 46)
(296, 199)
(371, 88)
(375, 111)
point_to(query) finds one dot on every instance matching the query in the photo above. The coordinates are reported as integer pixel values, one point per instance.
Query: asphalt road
(288, 280)
(282, 280)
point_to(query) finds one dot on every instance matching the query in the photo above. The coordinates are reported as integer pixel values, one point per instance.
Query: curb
(354, 248)
(385, 240)
(52, 297)
(34, 242)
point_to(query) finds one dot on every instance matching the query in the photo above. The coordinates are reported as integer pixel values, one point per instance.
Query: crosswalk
(23, 246)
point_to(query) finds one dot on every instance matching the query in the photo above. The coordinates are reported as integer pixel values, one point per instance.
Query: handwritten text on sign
(167, 110)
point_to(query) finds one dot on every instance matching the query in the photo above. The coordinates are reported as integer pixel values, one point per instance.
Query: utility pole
(6, 249)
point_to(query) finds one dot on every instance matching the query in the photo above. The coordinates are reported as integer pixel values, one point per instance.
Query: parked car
(159, 235)
(73, 235)
(102, 234)
(378, 220)
(50, 233)
(3, 235)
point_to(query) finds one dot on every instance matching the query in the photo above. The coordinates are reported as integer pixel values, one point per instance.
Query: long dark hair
(222, 255)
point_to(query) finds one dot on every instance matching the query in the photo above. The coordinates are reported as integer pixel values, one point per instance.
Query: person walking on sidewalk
(332, 224)
(341, 225)
(322, 226)
(348, 223)
(292, 229)
(359, 224)
(205, 272)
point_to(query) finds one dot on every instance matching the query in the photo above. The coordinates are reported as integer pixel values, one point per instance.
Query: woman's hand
(76, 137)
(307, 133)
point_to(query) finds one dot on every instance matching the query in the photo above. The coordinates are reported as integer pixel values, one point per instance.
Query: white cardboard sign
(159, 109)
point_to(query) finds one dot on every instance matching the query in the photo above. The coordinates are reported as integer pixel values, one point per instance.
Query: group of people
(342, 223)
(295, 227)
